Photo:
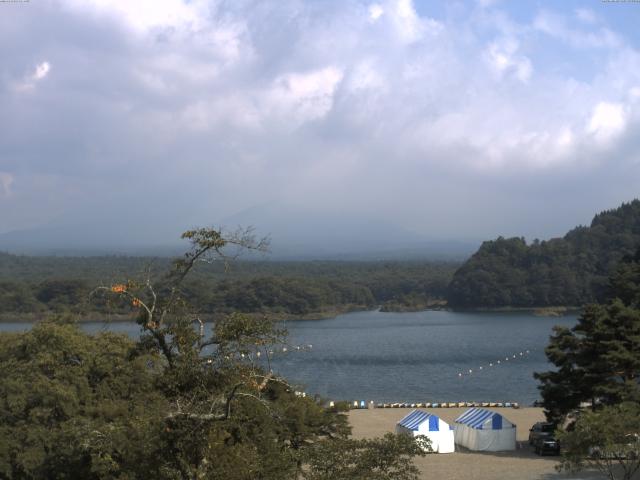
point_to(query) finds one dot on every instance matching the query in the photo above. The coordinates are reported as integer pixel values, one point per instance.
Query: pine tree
(598, 360)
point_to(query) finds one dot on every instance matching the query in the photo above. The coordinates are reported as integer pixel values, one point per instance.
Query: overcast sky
(466, 119)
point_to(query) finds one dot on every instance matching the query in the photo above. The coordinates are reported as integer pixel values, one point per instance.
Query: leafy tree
(607, 440)
(387, 458)
(74, 405)
(177, 404)
(598, 360)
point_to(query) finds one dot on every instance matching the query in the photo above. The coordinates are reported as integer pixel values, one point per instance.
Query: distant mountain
(572, 270)
(295, 235)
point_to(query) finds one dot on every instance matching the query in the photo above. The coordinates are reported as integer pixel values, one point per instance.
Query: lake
(411, 357)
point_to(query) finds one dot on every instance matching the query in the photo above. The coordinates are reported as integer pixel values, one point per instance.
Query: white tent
(484, 430)
(431, 426)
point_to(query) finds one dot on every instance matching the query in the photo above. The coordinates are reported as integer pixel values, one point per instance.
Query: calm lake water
(410, 357)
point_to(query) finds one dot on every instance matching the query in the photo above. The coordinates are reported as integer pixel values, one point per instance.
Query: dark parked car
(540, 430)
(548, 445)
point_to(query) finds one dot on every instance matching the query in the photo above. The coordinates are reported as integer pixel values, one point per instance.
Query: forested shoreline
(568, 271)
(506, 273)
(35, 287)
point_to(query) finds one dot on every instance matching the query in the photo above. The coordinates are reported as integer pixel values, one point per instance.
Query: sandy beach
(521, 464)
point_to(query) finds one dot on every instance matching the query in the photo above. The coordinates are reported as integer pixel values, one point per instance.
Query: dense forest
(568, 271)
(36, 286)
(176, 403)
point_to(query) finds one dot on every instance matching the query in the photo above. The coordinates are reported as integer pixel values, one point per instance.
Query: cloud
(557, 25)
(607, 121)
(375, 11)
(146, 14)
(195, 110)
(39, 73)
(504, 59)
(303, 97)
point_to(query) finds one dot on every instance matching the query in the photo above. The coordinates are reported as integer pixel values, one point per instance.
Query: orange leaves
(122, 288)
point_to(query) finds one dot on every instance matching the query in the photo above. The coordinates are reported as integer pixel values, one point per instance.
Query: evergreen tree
(598, 360)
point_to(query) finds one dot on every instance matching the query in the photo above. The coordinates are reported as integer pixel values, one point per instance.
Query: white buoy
(480, 368)
(459, 374)
(498, 362)
(257, 354)
(470, 371)
(491, 364)
(284, 349)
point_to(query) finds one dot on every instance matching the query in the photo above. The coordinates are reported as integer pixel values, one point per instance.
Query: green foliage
(598, 360)
(173, 405)
(73, 405)
(386, 458)
(568, 271)
(607, 440)
(59, 284)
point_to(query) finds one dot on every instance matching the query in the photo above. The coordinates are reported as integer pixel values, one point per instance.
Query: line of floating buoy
(362, 405)
(497, 362)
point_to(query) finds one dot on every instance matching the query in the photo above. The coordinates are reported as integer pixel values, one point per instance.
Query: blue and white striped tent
(485, 430)
(419, 422)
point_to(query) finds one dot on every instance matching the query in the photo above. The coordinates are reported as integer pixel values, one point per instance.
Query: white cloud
(6, 182)
(504, 59)
(365, 76)
(39, 73)
(42, 70)
(556, 25)
(394, 96)
(301, 97)
(607, 121)
(408, 25)
(375, 12)
(145, 14)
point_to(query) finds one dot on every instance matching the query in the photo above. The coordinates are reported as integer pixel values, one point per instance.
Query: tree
(607, 440)
(76, 406)
(598, 360)
(566, 271)
(387, 458)
(177, 404)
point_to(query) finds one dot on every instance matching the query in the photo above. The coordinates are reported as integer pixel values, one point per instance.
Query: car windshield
(547, 428)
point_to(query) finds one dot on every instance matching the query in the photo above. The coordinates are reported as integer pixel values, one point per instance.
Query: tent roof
(479, 417)
(416, 417)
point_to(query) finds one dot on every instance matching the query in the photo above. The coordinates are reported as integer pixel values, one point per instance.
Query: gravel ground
(521, 464)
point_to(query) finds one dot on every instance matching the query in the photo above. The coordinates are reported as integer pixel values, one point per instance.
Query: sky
(444, 120)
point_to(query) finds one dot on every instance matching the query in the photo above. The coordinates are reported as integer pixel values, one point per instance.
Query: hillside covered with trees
(37, 286)
(567, 271)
